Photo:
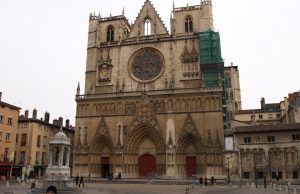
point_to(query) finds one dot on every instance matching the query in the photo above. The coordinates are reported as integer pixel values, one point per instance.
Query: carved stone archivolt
(146, 65)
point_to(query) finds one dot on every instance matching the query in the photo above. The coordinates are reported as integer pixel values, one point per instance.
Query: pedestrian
(81, 181)
(111, 176)
(201, 180)
(119, 176)
(277, 178)
(51, 190)
(205, 181)
(212, 181)
(89, 177)
(77, 179)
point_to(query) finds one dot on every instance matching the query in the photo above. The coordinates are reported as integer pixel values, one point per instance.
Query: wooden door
(147, 165)
(105, 166)
(191, 166)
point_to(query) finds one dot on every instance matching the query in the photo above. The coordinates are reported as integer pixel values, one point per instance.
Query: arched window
(110, 34)
(188, 24)
(147, 27)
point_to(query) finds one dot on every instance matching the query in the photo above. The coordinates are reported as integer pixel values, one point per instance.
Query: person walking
(201, 181)
(81, 181)
(205, 181)
(212, 181)
(77, 179)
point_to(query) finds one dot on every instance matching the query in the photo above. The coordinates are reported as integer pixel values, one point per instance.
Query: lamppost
(228, 173)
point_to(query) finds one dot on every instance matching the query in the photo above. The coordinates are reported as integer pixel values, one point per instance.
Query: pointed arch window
(110, 34)
(188, 24)
(147, 26)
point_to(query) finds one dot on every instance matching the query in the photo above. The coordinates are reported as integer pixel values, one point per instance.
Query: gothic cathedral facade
(146, 110)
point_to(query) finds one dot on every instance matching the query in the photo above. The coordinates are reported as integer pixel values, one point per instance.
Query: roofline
(9, 105)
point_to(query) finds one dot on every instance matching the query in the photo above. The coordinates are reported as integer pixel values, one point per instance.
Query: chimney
(0, 96)
(56, 122)
(262, 103)
(60, 121)
(67, 123)
(34, 113)
(47, 117)
(26, 114)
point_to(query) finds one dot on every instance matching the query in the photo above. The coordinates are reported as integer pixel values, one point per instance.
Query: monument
(58, 170)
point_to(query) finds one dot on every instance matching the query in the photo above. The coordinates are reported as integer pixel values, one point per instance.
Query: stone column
(51, 156)
(61, 156)
(68, 157)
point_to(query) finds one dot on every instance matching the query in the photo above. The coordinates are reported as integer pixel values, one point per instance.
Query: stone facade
(145, 110)
(268, 150)
(8, 130)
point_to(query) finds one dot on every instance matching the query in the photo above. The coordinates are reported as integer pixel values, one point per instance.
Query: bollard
(289, 184)
(252, 185)
(280, 188)
(287, 189)
(7, 184)
(295, 190)
(274, 187)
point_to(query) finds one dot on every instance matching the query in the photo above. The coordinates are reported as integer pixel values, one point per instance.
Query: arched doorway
(147, 165)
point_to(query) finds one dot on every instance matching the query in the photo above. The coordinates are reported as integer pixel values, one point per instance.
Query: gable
(156, 24)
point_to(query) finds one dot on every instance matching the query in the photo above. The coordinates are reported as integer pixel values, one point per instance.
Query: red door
(191, 166)
(147, 165)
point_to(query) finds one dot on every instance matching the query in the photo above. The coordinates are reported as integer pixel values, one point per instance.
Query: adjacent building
(268, 150)
(8, 130)
(153, 99)
(32, 148)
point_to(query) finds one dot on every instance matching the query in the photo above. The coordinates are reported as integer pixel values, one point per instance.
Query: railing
(150, 93)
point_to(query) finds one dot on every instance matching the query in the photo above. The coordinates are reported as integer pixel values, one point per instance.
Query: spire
(123, 11)
(78, 89)
(61, 129)
(99, 15)
(173, 6)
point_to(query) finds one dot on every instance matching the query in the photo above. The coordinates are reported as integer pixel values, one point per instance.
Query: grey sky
(43, 47)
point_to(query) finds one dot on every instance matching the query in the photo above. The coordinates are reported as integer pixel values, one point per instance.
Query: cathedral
(152, 104)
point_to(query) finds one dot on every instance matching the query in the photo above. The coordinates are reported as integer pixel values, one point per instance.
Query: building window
(1, 119)
(246, 175)
(110, 34)
(247, 139)
(44, 158)
(0, 135)
(45, 141)
(17, 138)
(257, 138)
(277, 116)
(147, 27)
(38, 142)
(260, 116)
(37, 154)
(7, 137)
(296, 137)
(5, 157)
(271, 138)
(295, 175)
(188, 24)
(252, 117)
(270, 116)
(22, 157)
(9, 120)
(23, 139)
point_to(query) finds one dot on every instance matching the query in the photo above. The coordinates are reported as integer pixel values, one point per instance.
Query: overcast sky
(43, 47)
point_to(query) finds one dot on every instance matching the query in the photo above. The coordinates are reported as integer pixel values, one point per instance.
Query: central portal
(191, 166)
(147, 165)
